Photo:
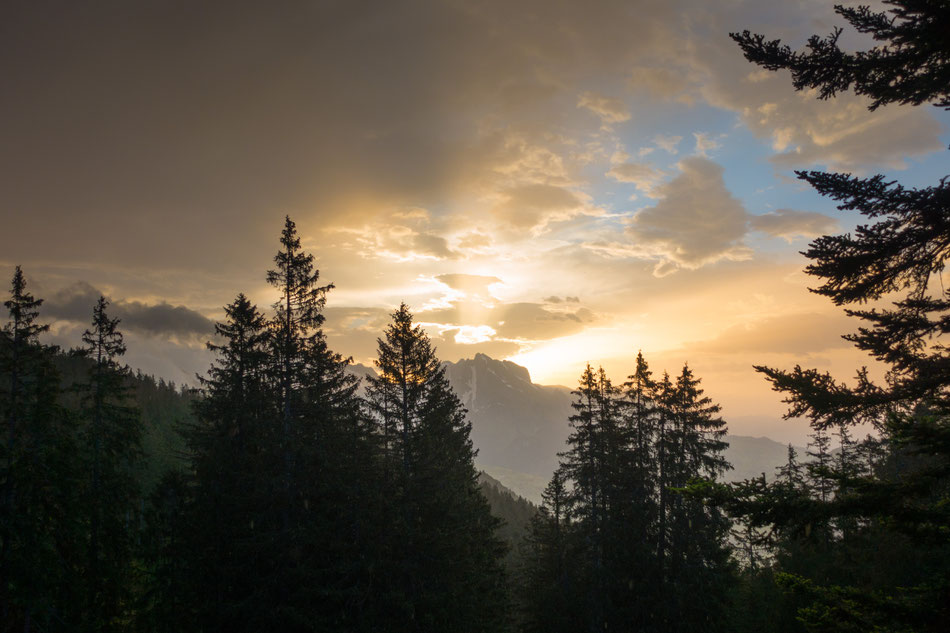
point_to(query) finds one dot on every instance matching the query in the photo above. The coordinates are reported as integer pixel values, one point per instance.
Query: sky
(545, 181)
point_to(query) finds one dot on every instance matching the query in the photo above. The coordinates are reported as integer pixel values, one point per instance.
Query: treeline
(299, 506)
(617, 546)
(295, 504)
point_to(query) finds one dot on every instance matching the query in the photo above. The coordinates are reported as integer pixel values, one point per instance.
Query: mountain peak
(504, 368)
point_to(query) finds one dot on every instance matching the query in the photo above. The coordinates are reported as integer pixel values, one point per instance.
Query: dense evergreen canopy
(881, 503)
(617, 545)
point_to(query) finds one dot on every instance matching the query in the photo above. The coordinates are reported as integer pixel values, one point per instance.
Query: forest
(285, 493)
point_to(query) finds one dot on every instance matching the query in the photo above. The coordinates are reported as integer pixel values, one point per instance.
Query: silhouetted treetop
(912, 65)
(909, 244)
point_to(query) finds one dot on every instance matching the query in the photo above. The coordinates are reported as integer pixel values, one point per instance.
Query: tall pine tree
(40, 538)
(444, 558)
(899, 254)
(230, 510)
(111, 442)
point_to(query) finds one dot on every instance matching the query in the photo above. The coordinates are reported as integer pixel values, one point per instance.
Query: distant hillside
(752, 456)
(514, 510)
(163, 407)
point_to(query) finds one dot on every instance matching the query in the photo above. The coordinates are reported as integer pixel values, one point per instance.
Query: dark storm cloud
(157, 132)
(76, 302)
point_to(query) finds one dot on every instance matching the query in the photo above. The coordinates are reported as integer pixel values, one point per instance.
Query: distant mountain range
(519, 427)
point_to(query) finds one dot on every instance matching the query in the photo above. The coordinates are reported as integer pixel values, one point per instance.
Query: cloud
(474, 240)
(644, 176)
(401, 243)
(430, 245)
(790, 224)
(470, 284)
(667, 142)
(785, 334)
(75, 303)
(704, 144)
(535, 205)
(532, 321)
(667, 83)
(523, 321)
(854, 142)
(696, 222)
(610, 110)
(463, 327)
(839, 133)
(449, 346)
(317, 110)
(371, 320)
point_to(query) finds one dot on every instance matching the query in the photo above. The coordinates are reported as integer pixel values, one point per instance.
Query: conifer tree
(639, 417)
(279, 522)
(321, 474)
(791, 471)
(899, 254)
(297, 321)
(696, 558)
(39, 537)
(444, 558)
(594, 463)
(111, 440)
(637, 530)
(635, 549)
(665, 440)
(549, 581)
(229, 508)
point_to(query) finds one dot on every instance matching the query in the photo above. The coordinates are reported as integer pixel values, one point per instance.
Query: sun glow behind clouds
(469, 335)
(561, 360)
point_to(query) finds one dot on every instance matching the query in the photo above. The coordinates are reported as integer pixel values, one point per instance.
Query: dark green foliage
(165, 603)
(443, 568)
(40, 534)
(110, 443)
(274, 525)
(71, 555)
(165, 410)
(515, 513)
(695, 560)
(301, 512)
(862, 541)
(222, 516)
(911, 65)
(550, 585)
(323, 452)
(618, 545)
